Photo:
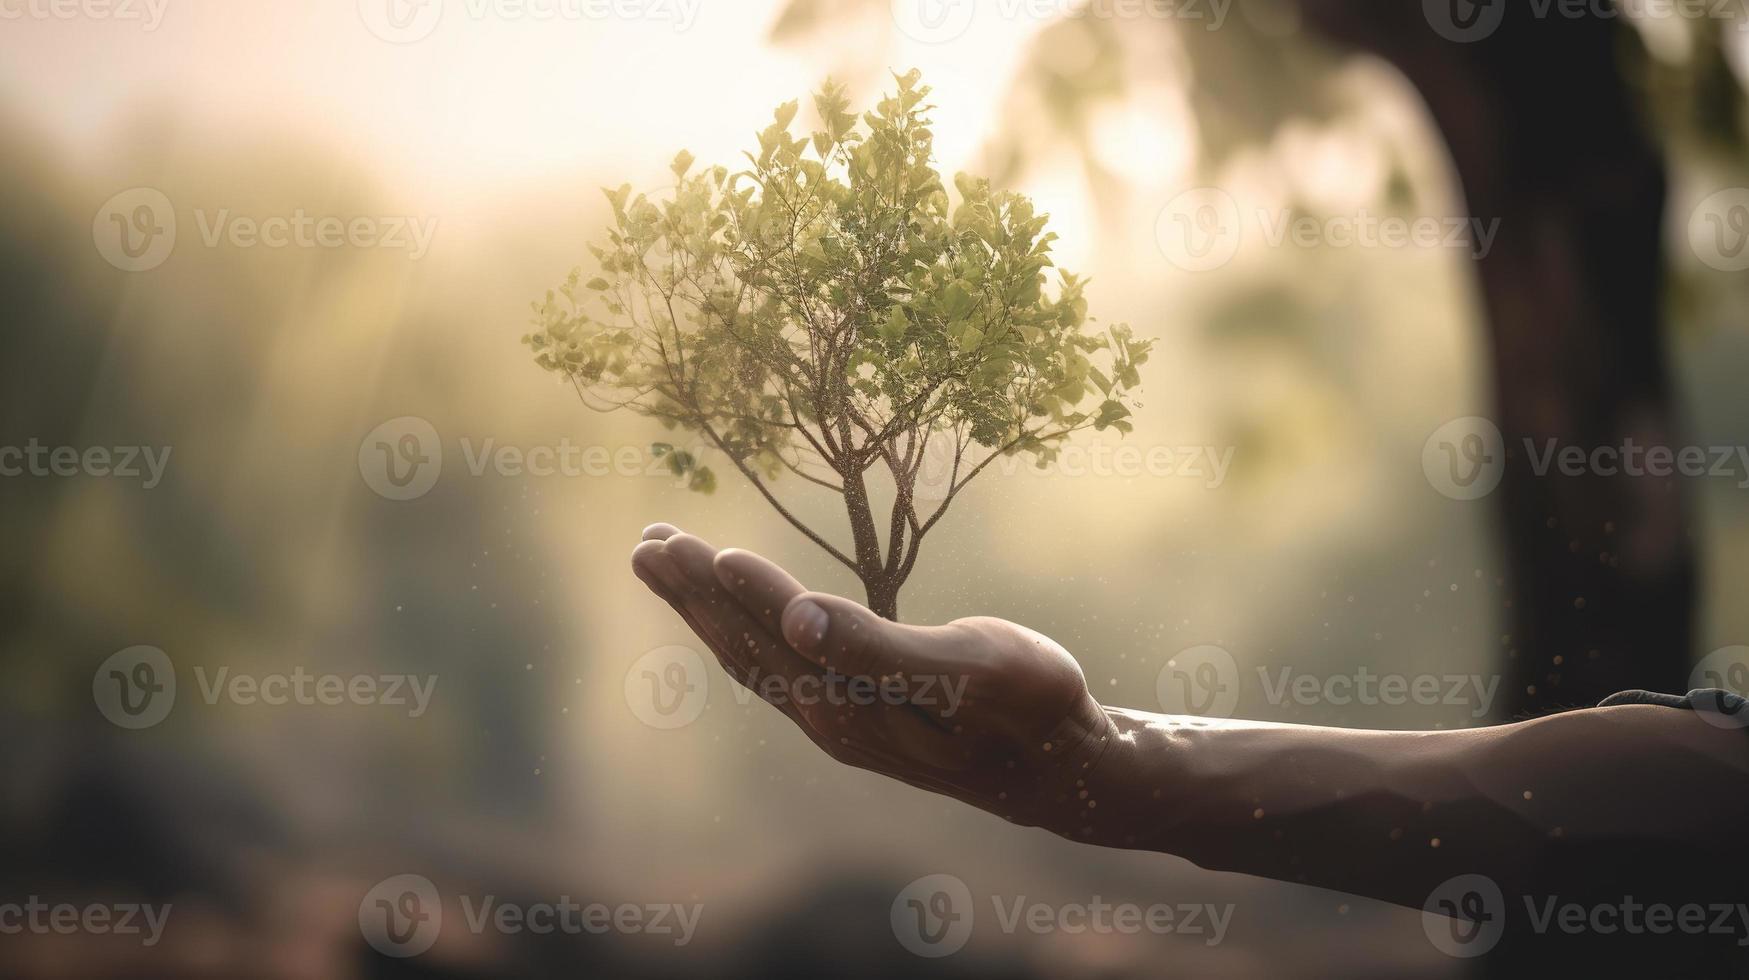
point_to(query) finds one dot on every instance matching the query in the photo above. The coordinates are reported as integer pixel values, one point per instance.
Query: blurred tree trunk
(1547, 137)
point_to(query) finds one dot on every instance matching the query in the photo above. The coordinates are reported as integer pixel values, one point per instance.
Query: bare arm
(1647, 799)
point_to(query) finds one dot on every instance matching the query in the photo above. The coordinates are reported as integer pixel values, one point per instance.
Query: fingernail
(804, 624)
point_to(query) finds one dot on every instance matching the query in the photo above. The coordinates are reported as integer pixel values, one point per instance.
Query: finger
(693, 556)
(760, 585)
(847, 637)
(654, 568)
(689, 561)
(645, 559)
(659, 532)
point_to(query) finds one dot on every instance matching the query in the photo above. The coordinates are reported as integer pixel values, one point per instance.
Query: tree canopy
(831, 309)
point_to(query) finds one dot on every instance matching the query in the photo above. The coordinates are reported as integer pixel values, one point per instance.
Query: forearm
(1391, 815)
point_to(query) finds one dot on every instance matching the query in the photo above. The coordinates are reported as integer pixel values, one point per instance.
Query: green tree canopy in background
(829, 311)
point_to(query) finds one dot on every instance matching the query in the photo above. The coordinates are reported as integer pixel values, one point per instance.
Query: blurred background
(143, 139)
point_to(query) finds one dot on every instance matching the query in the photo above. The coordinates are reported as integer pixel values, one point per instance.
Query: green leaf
(702, 481)
(894, 329)
(956, 301)
(682, 163)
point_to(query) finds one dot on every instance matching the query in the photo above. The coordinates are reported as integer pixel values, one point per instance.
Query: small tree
(827, 312)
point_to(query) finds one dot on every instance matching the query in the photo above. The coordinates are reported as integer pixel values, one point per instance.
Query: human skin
(1640, 800)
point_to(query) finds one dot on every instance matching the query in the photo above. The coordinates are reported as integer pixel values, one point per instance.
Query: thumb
(845, 636)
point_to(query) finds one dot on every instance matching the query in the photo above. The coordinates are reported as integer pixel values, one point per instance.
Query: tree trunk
(883, 597)
(1547, 138)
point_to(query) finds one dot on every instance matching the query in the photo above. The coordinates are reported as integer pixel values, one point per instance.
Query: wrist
(1127, 794)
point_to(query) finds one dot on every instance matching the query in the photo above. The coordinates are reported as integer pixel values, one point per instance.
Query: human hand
(982, 710)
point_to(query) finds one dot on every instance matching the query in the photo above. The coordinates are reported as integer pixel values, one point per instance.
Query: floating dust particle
(1257, 814)
(1527, 794)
